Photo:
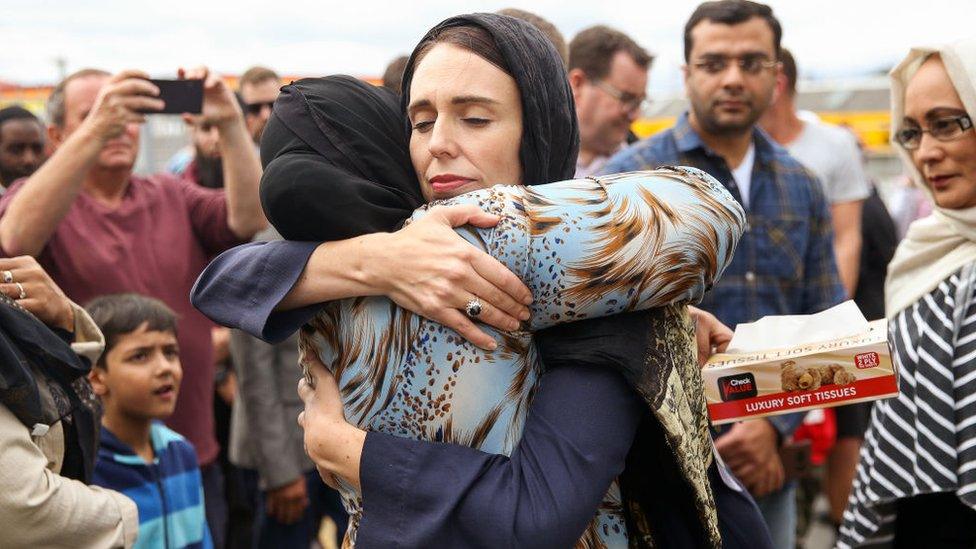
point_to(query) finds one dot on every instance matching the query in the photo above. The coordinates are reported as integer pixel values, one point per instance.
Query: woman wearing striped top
(916, 483)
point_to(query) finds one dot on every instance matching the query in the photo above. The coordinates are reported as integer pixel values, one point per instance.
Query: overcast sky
(310, 38)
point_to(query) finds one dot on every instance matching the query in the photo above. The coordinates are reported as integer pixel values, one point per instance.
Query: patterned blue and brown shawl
(586, 248)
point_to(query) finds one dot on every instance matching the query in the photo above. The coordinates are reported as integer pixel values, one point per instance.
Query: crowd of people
(493, 297)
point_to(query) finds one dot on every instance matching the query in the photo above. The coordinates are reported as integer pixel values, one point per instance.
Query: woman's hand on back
(331, 442)
(429, 269)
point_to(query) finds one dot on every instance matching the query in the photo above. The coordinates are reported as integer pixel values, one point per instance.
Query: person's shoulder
(786, 162)
(15, 186)
(835, 135)
(644, 154)
(656, 143)
(783, 160)
(10, 192)
(164, 437)
(181, 160)
(798, 177)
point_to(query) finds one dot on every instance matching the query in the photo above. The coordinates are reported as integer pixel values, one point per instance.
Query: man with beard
(784, 263)
(608, 74)
(21, 144)
(203, 166)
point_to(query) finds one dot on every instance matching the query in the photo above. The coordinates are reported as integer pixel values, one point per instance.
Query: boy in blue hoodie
(138, 379)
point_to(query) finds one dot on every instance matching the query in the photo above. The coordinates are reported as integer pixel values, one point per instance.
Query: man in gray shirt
(832, 154)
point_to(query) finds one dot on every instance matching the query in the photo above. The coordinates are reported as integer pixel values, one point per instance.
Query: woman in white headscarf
(916, 483)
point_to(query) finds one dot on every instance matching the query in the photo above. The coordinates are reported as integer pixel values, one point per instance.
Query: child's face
(142, 375)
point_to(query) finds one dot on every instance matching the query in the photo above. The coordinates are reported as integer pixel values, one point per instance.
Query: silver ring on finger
(23, 293)
(473, 308)
(8, 277)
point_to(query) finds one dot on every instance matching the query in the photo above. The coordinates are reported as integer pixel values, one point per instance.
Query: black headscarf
(550, 134)
(336, 162)
(32, 355)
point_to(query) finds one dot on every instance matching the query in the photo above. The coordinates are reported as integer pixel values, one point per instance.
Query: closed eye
(476, 121)
(423, 125)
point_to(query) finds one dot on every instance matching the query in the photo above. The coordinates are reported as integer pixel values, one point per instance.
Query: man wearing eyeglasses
(259, 87)
(608, 74)
(784, 263)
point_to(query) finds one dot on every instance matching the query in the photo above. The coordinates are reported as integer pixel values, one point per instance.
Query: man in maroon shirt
(99, 229)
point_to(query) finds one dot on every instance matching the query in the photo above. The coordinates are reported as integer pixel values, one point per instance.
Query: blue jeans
(779, 511)
(323, 502)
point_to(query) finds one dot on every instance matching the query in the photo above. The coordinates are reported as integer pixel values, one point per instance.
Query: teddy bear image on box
(811, 378)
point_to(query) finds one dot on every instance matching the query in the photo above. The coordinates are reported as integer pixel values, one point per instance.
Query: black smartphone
(180, 96)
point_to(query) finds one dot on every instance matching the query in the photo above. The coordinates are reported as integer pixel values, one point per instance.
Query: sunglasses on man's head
(255, 108)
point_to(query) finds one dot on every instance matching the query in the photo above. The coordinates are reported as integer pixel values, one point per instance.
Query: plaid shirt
(784, 263)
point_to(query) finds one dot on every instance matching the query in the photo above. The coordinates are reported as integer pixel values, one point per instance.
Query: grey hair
(55, 101)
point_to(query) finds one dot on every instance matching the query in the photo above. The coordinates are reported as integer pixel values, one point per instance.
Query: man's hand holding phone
(123, 101)
(220, 108)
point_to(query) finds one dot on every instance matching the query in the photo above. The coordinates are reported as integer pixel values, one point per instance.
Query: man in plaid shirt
(784, 263)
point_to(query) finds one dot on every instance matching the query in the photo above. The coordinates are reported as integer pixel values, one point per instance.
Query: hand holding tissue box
(785, 364)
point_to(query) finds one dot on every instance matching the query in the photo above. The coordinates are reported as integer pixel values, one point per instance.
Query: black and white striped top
(923, 441)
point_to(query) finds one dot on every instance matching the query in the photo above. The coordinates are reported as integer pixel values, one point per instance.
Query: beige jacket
(40, 508)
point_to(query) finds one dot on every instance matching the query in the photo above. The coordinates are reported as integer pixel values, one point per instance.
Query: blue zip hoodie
(168, 491)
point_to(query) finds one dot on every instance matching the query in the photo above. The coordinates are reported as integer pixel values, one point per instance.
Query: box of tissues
(783, 364)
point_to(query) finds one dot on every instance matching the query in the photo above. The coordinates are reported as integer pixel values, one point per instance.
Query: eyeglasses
(943, 129)
(255, 108)
(752, 64)
(628, 101)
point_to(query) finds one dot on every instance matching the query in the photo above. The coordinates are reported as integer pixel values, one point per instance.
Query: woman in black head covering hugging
(614, 449)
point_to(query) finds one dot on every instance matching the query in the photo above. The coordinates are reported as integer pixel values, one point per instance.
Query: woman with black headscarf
(634, 346)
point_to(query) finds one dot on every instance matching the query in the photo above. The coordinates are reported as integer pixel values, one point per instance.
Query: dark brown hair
(55, 101)
(732, 12)
(119, 314)
(472, 38)
(789, 70)
(592, 51)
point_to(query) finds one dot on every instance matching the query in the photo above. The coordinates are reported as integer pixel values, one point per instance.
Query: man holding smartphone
(99, 229)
